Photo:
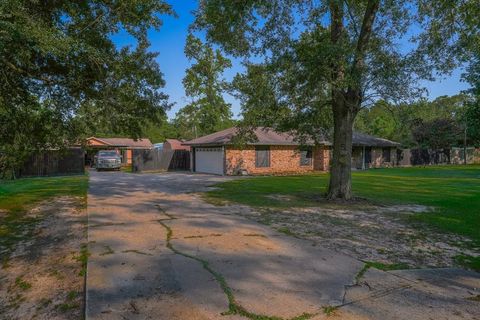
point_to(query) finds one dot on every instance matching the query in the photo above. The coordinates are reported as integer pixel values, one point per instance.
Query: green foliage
(208, 112)
(329, 310)
(63, 75)
(472, 121)
(453, 191)
(469, 262)
(401, 122)
(436, 134)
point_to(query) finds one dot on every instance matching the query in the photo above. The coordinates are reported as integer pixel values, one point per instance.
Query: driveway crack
(234, 307)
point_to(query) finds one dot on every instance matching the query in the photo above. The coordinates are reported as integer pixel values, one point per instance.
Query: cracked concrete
(173, 256)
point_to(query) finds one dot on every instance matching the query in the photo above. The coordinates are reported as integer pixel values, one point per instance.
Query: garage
(209, 160)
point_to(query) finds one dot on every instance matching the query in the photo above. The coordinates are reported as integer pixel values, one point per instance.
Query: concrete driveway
(159, 252)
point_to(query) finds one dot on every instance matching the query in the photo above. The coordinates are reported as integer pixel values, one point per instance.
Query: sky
(169, 42)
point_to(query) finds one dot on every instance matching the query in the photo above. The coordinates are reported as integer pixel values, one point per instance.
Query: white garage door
(209, 160)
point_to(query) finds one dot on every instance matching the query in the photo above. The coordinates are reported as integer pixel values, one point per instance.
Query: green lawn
(17, 196)
(454, 192)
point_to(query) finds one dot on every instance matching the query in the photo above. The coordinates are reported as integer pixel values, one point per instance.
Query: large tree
(205, 86)
(61, 73)
(352, 51)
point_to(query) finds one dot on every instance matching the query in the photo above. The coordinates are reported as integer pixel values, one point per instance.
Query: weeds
(83, 259)
(329, 310)
(22, 284)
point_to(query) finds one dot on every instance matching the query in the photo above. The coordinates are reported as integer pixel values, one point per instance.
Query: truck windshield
(107, 154)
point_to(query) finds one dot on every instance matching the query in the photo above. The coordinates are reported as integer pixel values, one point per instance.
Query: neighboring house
(174, 144)
(123, 146)
(274, 152)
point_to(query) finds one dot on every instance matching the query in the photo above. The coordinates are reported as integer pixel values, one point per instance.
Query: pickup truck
(108, 159)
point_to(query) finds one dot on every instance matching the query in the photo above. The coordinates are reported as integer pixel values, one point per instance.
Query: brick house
(275, 153)
(123, 146)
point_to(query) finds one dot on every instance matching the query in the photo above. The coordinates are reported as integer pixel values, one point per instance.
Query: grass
(469, 262)
(454, 192)
(286, 231)
(18, 196)
(127, 168)
(22, 284)
(329, 310)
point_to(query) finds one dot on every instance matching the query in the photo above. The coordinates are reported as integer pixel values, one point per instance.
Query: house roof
(268, 136)
(177, 144)
(366, 140)
(264, 135)
(143, 143)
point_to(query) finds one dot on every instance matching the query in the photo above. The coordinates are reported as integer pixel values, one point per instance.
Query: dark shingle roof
(365, 140)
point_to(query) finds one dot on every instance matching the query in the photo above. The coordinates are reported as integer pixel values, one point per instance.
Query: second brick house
(273, 152)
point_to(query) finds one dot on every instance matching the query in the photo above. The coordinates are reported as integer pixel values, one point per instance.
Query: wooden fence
(53, 163)
(160, 160)
(423, 157)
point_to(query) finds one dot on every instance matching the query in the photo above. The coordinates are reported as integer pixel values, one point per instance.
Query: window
(386, 155)
(306, 157)
(262, 156)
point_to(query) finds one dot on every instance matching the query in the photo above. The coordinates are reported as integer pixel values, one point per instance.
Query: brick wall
(321, 158)
(283, 159)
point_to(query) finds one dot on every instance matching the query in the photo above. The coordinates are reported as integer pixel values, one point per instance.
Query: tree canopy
(61, 74)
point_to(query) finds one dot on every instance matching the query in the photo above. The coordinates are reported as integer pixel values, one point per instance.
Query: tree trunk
(346, 101)
(340, 186)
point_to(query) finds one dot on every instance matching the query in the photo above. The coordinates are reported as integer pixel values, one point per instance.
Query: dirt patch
(280, 197)
(368, 232)
(42, 277)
